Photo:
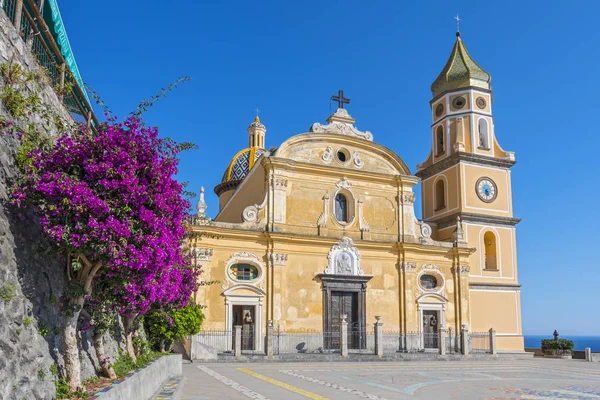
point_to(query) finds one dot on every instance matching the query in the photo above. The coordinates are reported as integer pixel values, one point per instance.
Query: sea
(581, 342)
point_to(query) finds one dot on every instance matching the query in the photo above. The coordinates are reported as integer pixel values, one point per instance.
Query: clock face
(486, 190)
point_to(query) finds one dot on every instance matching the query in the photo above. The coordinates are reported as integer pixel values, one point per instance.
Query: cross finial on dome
(457, 25)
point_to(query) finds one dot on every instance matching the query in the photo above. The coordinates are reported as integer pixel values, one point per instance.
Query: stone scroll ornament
(344, 259)
(341, 128)
(250, 213)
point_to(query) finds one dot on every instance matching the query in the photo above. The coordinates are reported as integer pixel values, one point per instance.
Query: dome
(238, 168)
(460, 72)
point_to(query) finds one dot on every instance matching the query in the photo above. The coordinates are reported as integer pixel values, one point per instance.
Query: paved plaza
(523, 379)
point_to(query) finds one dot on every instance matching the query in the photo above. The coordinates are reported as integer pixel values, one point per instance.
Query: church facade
(324, 225)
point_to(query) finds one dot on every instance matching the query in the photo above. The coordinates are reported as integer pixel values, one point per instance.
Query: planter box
(143, 383)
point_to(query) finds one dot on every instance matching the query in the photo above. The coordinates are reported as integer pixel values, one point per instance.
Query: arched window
(484, 137)
(489, 241)
(341, 208)
(439, 141)
(440, 195)
(244, 272)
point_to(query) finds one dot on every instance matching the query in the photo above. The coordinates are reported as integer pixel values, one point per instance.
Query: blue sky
(287, 58)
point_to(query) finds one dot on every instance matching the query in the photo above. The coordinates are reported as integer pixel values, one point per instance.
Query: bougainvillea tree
(109, 201)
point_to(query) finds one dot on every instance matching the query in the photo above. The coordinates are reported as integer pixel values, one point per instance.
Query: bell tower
(467, 175)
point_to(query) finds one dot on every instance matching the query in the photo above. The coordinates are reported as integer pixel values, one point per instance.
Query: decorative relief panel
(407, 198)
(463, 270)
(202, 254)
(343, 184)
(357, 160)
(280, 183)
(409, 266)
(344, 259)
(327, 155)
(279, 259)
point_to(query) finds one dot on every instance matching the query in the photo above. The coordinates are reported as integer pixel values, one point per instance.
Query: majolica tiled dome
(238, 168)
(460, 72)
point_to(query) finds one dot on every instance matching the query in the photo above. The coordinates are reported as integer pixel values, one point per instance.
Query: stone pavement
(522, 379)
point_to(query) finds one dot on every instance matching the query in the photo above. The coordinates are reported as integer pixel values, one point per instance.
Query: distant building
(324, 225)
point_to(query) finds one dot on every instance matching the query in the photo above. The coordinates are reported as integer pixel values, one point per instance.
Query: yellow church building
(324, 225)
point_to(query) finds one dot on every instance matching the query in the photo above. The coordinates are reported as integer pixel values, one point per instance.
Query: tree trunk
(162, 345)
(129, 345)
(107, 369)
(129, 325)
(71, 356)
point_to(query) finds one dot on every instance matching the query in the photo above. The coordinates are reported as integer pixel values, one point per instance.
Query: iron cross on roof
(341, 100)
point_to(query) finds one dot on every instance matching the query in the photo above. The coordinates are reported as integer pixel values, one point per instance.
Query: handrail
(52, 51)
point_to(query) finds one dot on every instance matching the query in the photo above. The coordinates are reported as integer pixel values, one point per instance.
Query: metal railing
(219, 339)
(31, 27)
(479, 342)
(361, 339)
(452, 342)
(289, 342)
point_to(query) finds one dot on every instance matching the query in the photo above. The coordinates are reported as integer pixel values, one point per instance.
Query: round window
(459, 102)
(343, 155)
(428, 282)
(439, 110)
(244, 272)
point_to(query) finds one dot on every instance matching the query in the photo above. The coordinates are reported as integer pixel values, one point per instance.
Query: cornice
(494, 286)
(450, 220)
(225, 186)
(464, 89)
(332, 171)
(464, 157)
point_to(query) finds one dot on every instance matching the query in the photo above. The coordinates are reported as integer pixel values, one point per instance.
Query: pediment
(361, 154)
(244, 290)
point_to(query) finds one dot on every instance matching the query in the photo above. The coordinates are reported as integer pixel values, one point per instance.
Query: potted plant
(557, 348)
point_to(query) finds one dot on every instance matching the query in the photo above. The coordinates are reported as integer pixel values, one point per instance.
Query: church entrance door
(344, 303)
(244, 316)
(344, 294)
(430, 329)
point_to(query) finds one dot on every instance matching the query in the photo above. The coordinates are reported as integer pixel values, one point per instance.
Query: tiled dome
(238, 168)
(241, 164)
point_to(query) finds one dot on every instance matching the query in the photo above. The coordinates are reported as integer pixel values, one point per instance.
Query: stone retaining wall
(31, 281)
(144, 383)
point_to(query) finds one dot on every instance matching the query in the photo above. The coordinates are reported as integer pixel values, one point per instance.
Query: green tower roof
(460, 72)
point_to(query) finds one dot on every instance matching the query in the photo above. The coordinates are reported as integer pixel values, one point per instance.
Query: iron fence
(219, 339)
(305, 341)
(361, 339)
(391, 341)
(479, 342)
(452, 342)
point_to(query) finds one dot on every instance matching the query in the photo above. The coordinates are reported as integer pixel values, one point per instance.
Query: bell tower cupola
(256, 134)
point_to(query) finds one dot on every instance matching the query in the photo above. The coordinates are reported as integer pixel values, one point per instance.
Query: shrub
(7, 292)
(164, 327)
(560, 346)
